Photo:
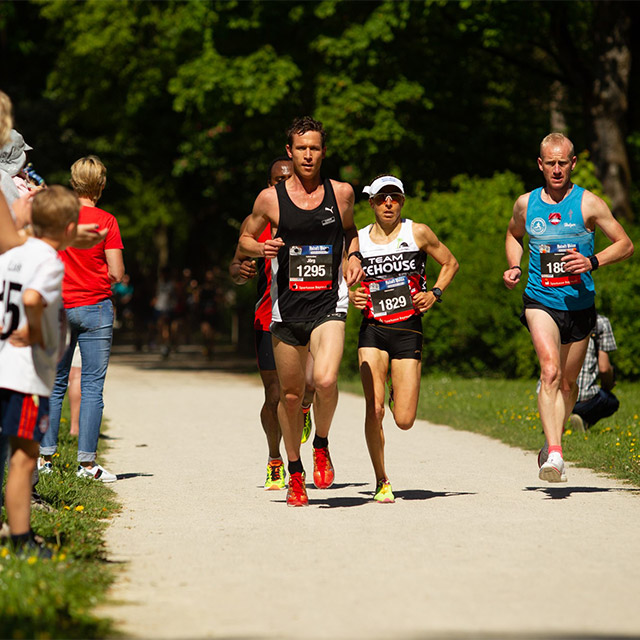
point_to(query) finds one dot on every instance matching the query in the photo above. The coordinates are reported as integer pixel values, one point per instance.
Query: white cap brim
(380, 183)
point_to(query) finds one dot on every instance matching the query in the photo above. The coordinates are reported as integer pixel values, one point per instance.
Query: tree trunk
(608, 103)
(557, 104)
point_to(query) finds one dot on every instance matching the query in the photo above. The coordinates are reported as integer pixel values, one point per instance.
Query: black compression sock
(295, 466)
(320, 443)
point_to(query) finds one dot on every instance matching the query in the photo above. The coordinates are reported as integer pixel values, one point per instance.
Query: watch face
(436, 292)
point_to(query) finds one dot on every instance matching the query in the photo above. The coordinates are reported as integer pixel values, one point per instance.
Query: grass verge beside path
(55, 598)
(507, 410)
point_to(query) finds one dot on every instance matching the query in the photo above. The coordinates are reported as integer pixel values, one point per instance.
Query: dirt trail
(475, 546)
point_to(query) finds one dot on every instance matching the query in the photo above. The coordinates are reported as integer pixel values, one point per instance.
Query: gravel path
(475, 545)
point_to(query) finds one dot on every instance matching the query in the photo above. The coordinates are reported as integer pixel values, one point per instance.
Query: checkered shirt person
(601, 340)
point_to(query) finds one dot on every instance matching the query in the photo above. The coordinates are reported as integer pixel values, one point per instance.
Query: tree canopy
(187, 102)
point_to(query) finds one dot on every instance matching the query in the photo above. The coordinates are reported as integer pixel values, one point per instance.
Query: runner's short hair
(274, 162)
(557, 139)
(304, 124)
(88, 177)
(52, 209)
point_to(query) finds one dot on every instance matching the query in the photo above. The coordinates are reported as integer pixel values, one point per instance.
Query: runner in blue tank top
(312, 225)
(560, 219)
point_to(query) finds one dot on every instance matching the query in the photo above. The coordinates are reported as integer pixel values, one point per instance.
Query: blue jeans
(602, 405)
(92, 328)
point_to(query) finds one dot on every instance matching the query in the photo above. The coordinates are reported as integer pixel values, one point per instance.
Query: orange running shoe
(297, 493)
(323, 473)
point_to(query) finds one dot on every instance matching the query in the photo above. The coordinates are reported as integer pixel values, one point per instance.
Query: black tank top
(306, 276)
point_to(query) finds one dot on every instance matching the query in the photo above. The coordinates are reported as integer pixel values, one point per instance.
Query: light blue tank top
(554, 230)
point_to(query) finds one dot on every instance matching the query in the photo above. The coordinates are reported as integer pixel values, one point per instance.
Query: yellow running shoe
(383, 492)
(308, 425)
(275, 476)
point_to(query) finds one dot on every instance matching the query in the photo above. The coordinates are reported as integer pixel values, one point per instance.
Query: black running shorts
(574, 325)
(298, 334)
(401, 340)
(264, 350)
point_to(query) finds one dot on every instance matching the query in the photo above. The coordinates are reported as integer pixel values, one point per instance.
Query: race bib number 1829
(391, 299)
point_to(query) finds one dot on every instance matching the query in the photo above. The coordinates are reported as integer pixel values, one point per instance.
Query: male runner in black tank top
(308, 290)
(241, 270)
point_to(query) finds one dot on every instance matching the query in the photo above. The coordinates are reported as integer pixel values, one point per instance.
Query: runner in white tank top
(392, 299)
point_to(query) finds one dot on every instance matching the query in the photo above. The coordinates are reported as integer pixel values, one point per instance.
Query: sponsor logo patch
(538, 226)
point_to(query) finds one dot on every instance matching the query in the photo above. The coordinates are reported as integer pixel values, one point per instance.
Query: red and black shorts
(23, 415)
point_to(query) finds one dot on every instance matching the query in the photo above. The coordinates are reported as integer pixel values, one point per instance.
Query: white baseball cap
(384, 181)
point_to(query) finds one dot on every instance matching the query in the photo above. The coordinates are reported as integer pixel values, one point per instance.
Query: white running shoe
(543, 454)
(553, 469)
(576, 423)
(44, 466)
(96, 473)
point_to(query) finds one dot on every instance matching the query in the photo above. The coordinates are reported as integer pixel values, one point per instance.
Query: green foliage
(585, 175)
(51, 598)
(618, 291)
(478, 312)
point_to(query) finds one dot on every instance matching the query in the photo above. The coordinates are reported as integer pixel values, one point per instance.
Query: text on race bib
(310, 267)
(552, 268)
(391, 299)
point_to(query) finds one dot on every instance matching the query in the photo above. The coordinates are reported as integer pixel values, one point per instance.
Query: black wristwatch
(437, 293)
(595, 263)
(357, 254)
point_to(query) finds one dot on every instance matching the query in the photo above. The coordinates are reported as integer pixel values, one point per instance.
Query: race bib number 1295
(310, 267)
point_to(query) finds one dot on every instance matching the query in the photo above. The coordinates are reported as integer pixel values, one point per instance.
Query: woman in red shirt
(86, 293)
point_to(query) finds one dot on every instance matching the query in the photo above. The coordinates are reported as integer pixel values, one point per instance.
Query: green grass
(507, 410)
(55, 598)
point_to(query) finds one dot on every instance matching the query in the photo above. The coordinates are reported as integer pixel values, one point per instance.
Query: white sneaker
(576, 423)
(44, 466)
(96, 473)
(553, 469)
(543, 454)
